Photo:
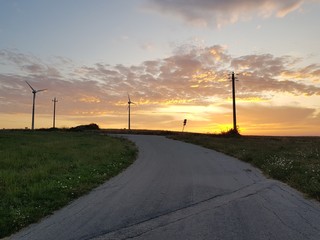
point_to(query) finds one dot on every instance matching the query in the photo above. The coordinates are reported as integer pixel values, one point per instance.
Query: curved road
(176, 190)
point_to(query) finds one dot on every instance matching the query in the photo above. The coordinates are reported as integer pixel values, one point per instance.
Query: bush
(80, 128)
(231, 133)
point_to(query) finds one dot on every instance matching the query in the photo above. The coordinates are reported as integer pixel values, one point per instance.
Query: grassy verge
(294, 160)
(42, 171)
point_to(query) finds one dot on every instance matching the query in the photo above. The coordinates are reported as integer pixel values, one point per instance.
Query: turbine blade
(41, 90)
(30, 87)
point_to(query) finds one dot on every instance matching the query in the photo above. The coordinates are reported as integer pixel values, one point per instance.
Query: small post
(184, 124)
(54, 111)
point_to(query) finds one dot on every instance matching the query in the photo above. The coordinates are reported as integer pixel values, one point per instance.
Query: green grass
(294, 160)
(43, 171)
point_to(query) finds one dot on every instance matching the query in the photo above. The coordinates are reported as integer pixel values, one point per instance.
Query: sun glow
(224, 127)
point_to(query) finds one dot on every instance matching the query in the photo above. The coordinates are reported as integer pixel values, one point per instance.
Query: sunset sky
(174, 58)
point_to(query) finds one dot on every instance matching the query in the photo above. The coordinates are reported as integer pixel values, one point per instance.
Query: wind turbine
(129, 103)
(33, 103)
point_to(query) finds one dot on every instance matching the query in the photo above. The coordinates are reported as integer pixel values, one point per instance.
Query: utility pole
(54, 111)
(233, 78)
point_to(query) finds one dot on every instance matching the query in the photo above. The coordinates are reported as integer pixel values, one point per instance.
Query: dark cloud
(29, 64)
(220, 12)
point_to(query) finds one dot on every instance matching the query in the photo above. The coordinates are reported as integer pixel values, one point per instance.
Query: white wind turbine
(34, 92)
(129, 116)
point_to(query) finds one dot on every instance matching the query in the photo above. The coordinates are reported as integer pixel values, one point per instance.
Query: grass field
(294, 160)
(43, 171)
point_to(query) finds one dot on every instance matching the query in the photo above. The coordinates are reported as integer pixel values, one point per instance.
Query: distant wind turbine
(129, 103)
(34, 92)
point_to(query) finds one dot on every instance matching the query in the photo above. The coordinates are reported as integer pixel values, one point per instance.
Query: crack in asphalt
(177, 215)
(315, 211)
(283, 222)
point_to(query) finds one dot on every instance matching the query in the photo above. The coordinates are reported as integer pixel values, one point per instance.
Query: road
(176, 190)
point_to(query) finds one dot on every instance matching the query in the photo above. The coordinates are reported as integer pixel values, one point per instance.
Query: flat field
(42, 171)
(293, 160)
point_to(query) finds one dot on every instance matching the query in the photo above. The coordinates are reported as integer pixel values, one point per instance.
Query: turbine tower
(34, 92)
(129, 103)
(54, 111)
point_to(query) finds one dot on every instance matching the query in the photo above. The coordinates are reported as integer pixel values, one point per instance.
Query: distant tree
(91, 126)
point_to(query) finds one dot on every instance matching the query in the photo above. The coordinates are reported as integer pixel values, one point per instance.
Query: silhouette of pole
(233, 78)
(54, 111)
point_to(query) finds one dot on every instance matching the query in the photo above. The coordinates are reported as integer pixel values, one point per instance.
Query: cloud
(285, 115)
(192, 77)
(266, 72)
(221, 12)
(148, 46)
(280, 120)
(27, 63)
(190, 73)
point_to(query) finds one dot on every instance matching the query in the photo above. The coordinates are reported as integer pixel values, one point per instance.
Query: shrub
(80, 128)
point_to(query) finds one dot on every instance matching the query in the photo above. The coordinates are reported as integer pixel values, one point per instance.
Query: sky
(173, 57)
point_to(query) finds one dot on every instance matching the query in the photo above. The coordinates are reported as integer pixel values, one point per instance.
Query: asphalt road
(177, 190)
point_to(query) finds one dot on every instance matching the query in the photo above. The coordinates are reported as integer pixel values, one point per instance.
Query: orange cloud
(90, 99)
(191, 83)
